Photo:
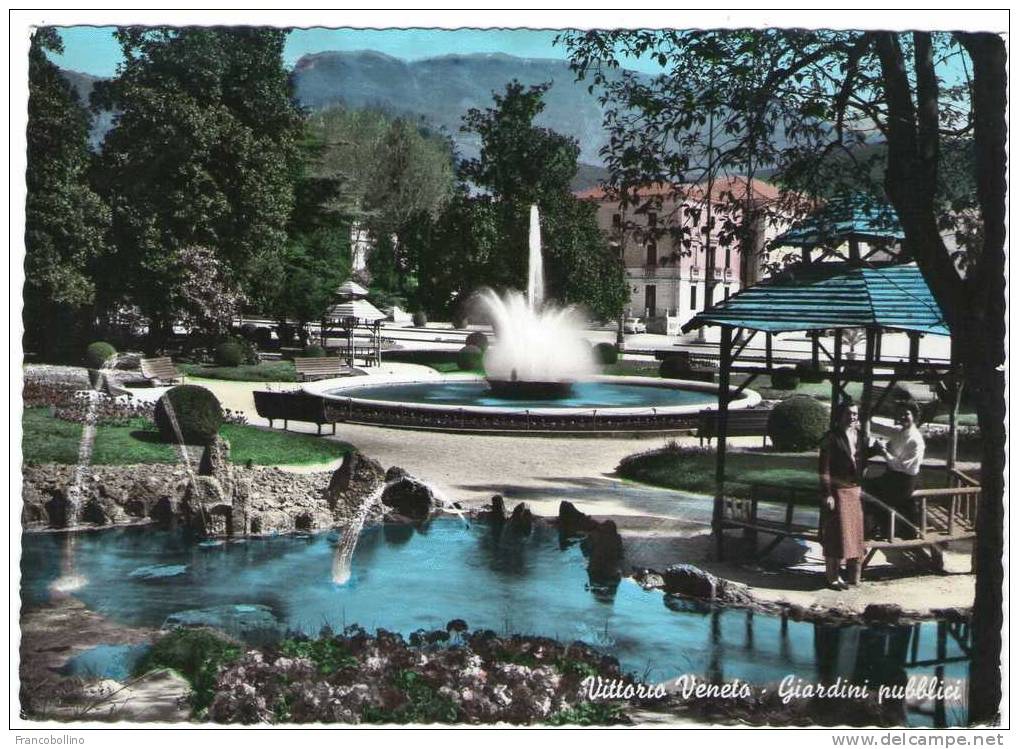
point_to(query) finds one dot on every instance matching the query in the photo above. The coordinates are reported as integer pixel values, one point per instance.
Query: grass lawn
(46, 439)
(693, 470)
(270, 371)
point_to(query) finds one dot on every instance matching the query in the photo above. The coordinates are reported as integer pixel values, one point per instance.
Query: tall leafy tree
(794, 100)
(520, 165)
(203, 153)
(65, 221)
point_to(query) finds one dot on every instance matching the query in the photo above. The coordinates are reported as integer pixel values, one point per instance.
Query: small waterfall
(88, 441)
(185, 458)
(535, 267)
(344, 551)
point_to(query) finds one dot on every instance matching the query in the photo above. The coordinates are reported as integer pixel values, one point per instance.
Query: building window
(617, 220)
(652, 220)
(728, 257)
(693, 297)
(652, 253)
(650, 300)
(725, 292)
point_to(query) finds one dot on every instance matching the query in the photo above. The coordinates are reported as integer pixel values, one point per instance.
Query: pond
(405, 578)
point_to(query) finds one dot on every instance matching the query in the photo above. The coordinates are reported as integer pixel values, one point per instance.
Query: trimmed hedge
(479, 339)
(420, 319)
(470, 357)
(785, 378)
(198, 413)
(229, 354)
(98, 353)
(798, 423)
(606, 353)
(314, 351)
(675, 367)
(807, 372)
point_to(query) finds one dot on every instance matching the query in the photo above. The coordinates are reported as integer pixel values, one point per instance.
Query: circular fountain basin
(469, 403)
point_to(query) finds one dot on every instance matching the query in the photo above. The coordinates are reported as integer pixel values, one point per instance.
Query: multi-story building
(675, 265)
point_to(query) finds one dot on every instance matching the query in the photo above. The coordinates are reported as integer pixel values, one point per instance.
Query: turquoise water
(583, 395)
(406, 578)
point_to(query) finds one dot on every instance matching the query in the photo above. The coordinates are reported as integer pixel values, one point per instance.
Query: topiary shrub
(479, 339)
(785, 378)
(249, 331)
(198, 413)
(420, 319)
(606, 353)
(470, 357)
(314, 351)
(229, 354)
(807, 372)
(798, 423)
(98, 353)
(675, 367)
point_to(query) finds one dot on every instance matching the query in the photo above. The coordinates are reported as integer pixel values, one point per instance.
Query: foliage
(198, 655)
(606, 353)
(203, 154)
(420, 319)
(65, 220)
(478, 339)
(313, 351)
(785, 378)
(807, 372)
(423, 703)
(207, 297)
(196, 411)
(328, 654)
(229, 354)
(98, 354)
(470, 358)
(481, 240)
(798, 423)
(267, 371)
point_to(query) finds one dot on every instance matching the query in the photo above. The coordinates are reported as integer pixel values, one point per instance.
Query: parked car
(634, 325)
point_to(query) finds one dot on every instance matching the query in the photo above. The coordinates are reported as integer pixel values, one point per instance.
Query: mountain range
(437, 91)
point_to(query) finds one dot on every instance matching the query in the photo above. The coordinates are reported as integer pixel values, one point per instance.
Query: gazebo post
(955, 383)
(836, 375)
(767, 351)
(718, 511)
(868, 395)
(815, 351)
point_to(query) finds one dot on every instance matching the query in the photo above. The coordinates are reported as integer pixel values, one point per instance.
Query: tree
(520, 165)
(203, 152)
(793, 100)
(65, 221)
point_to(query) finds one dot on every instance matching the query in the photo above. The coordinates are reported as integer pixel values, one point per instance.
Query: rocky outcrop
(604, 553)
(225, 498)
(410, 498)
(521, 520)
(693, 582)
(573, 522)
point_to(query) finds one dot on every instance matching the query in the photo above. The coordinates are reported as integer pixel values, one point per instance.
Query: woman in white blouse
(903, 453)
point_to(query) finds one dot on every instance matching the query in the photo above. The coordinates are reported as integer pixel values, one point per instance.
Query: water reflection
(407, 577)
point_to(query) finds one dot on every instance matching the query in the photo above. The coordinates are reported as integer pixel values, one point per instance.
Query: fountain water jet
(539, 351)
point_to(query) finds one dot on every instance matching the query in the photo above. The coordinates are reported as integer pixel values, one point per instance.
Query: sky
(90, 49)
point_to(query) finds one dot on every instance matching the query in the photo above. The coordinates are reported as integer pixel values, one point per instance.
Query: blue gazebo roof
(820, 296)
(842, 219)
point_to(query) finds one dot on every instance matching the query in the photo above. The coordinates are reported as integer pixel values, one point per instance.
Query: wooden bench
(160, 370)
(746, 422)
(320, 367)
(292, 406)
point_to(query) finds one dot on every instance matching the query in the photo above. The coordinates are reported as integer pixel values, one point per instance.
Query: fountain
(539, 351)
(540, 376)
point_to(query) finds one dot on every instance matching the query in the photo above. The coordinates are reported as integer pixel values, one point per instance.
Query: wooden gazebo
(818, 298)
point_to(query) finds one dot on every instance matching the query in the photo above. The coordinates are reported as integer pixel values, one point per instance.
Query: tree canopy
(65, 221)
(203, 152)
(802, 102)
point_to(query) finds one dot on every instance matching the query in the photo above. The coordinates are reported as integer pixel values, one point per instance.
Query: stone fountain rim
(328, 389)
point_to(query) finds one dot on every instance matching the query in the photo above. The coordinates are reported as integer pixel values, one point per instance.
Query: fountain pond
(404, 578)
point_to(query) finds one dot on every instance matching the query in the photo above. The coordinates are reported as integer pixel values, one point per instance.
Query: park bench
(292, 406)
(160, 371)
(748, 422)
(320, 367)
